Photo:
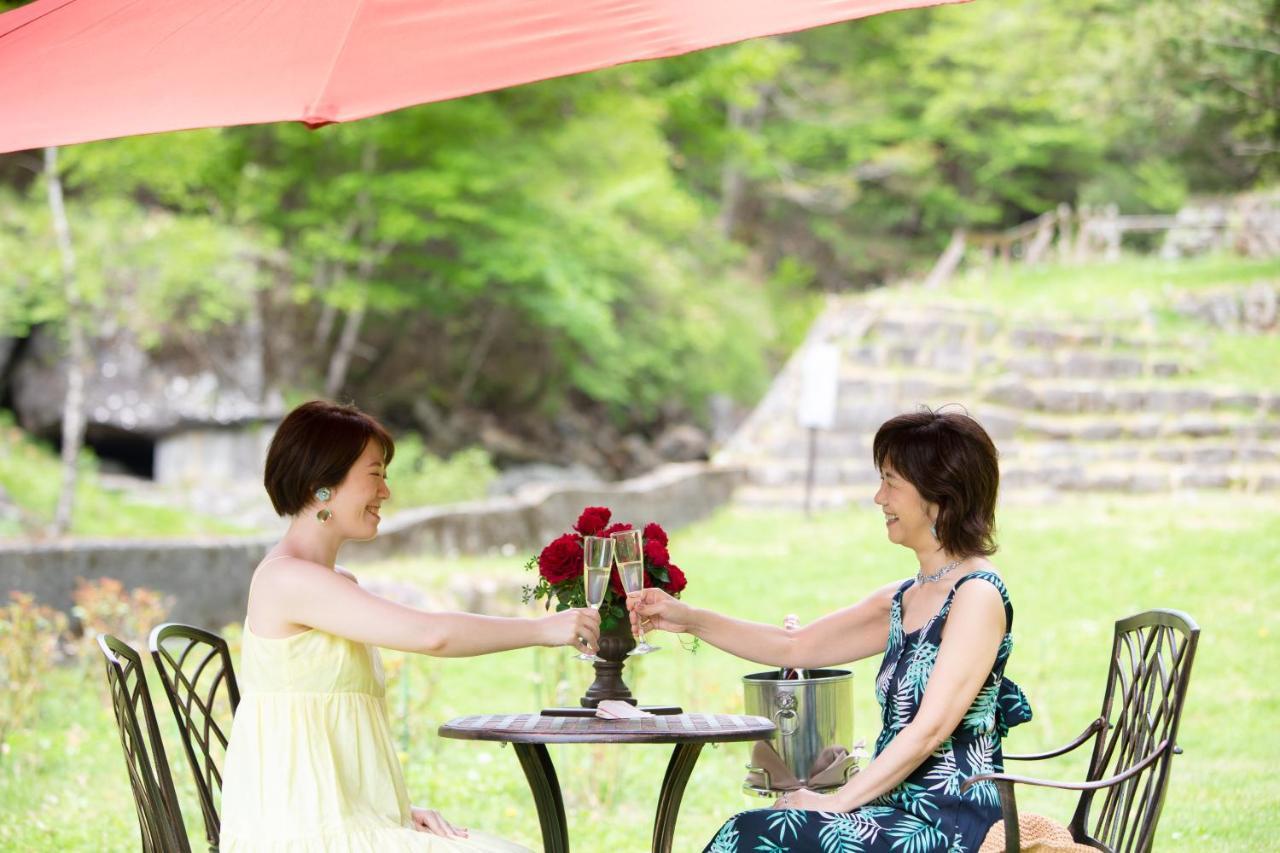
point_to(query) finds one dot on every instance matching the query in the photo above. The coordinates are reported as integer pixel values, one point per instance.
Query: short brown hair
(952, 462)
(315, 446)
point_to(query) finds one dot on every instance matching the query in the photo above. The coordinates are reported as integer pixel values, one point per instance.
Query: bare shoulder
(886, 593)
(346, 574)
(980, 600)
(982, 564)
(286, 575)
(882, 598)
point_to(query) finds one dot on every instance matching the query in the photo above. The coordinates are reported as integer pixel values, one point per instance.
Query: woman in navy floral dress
(946, 636)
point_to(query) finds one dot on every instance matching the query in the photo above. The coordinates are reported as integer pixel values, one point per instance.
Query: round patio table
(530, 733)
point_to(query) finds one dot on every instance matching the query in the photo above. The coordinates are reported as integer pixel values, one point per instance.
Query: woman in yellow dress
(311, 764)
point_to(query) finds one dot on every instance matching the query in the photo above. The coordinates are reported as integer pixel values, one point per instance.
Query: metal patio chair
(159, 818)
(1134, 738)
(195, 669)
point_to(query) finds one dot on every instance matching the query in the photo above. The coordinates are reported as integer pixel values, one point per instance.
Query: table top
(671, 728)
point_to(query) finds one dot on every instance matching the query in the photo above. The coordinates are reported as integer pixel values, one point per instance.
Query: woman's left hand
(430, 820)
(806, 799)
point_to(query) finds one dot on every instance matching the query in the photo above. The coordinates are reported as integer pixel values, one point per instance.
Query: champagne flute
(597, 564)
(629, 551)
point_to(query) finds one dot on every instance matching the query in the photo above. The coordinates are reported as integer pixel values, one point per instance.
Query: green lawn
(1072, 568)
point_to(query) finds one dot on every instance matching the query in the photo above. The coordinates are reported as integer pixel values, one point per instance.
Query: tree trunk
(77, 350)
(341, 358)
(733, 179)
(479, 352)
(370, 258)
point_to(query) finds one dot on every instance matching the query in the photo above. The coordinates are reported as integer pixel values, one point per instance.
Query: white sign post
(819, 385)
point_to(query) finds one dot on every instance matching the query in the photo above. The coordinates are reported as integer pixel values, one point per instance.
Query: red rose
(655, 532)
(677, 580)
(592, 520)
(616, 527)
(655, 553)
(561, 560)
(615, 584)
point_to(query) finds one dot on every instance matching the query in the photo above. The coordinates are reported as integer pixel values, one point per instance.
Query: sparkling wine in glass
(597, 562)
(629, 552)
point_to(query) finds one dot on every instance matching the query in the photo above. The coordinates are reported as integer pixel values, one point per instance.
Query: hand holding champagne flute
(659, 610)
(629, 552)
(597, 564)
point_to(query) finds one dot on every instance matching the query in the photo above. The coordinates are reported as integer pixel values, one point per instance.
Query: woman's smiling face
(357, 501)
(906, 513)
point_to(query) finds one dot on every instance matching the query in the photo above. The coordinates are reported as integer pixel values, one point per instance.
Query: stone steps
(1070, 364)
(855, 451)
(1072, 405)
(861, 481)
(1016, 482)
(1073, 396)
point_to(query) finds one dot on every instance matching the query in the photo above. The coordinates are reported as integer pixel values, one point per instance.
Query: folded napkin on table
(614, 709)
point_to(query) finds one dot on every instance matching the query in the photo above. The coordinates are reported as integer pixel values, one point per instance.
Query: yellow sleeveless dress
(311, 764)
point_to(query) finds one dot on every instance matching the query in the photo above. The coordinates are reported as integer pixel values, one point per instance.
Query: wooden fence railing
(1249, 225)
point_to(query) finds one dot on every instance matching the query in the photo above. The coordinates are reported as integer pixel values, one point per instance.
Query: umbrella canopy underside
(79, 70)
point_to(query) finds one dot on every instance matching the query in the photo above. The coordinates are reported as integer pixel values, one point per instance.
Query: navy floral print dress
(926, 813)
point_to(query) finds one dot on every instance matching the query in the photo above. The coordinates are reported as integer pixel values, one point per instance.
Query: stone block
(1034, 366)
(999, 425)
(1102, 431)
(1074, 400)
(1190, 399)
(1239, 400)
(1259, 454)
(1130, 400)
(1147, 482)
(1143, 428)
(1211, 455)
(1013, 394)
(1198, 426)
(1200, 478)
(1124, 366)
(903, 354)
(1109, 481)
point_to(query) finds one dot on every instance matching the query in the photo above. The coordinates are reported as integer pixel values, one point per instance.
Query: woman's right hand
(578, 627)
(656, 609)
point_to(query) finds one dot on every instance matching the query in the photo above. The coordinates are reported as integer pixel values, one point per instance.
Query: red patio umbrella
(79, 70)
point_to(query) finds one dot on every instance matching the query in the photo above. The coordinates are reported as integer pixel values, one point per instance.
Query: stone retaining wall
(209, 580)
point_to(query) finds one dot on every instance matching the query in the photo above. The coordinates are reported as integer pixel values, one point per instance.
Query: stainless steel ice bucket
(812, 714)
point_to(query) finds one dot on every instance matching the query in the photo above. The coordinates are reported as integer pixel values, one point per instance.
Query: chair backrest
(1151, 659)
(159, 818)
(195, 669)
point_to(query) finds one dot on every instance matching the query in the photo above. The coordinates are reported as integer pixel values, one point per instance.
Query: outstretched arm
(970, 641)
(306, 595)
(850, 634)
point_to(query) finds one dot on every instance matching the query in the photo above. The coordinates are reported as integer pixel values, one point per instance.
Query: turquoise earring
(323, 494)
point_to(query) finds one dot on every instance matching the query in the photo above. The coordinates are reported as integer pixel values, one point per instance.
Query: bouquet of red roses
(560, 573)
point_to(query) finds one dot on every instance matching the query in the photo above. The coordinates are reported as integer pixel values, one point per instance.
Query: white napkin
(615, 709)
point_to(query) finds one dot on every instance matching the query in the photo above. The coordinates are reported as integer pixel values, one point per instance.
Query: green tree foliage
(638, 239)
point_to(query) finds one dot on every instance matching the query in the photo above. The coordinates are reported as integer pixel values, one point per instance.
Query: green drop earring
(323, 494)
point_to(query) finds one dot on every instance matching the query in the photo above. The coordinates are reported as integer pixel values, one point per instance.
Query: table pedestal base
(535, 760)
